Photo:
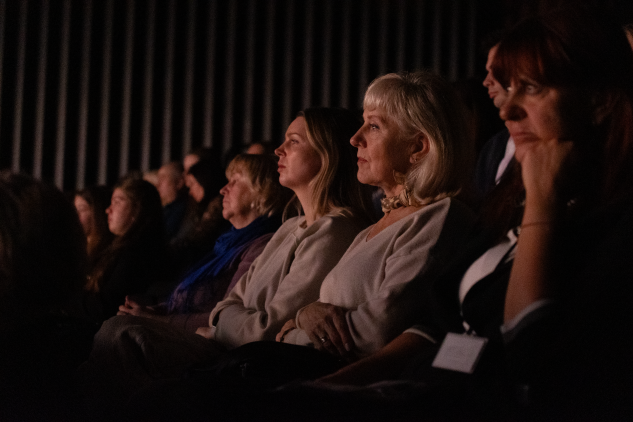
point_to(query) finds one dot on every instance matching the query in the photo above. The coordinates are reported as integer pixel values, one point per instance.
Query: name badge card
(460, 352)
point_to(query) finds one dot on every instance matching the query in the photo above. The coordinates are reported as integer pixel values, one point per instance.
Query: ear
(419, 147)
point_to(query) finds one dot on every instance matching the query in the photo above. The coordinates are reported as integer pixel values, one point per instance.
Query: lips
(361, 160)
(522, 136)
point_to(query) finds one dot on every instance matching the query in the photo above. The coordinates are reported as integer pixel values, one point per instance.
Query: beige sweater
(373, 280)
(285, 277)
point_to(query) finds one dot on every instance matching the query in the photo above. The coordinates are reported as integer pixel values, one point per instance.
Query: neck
(305, 197)
(392, 190)
(241, 221)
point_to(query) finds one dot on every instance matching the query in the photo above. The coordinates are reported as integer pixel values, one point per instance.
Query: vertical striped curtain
(93, 89)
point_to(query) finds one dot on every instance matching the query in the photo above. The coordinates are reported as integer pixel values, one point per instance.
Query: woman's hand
(327, 328)
(544, 168)
(288, 326)
(133, 308)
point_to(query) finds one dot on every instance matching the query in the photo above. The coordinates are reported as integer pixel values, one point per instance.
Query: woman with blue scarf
(252, 201)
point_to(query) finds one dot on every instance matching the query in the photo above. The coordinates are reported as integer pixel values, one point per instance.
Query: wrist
(541, 211)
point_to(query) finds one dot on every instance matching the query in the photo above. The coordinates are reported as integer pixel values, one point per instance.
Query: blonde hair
(261, 173)
(422, 102)
(335, 188)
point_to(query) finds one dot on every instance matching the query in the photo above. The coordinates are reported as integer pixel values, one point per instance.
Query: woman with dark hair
(136, 257)
(253, 201)
(91, 204)
(203, 223)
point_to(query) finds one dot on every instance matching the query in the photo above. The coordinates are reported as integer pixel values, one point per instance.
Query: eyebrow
(374, 116)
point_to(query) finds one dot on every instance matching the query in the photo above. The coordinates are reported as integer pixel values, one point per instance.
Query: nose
(108, 210)
(512, 109)
(224, 190)
(357, 140)
(488, 80)
(280, 151)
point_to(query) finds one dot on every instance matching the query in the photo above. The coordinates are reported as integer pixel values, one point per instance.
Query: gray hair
(422, 102)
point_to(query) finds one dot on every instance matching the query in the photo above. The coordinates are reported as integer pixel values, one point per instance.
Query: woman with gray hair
(414, 147)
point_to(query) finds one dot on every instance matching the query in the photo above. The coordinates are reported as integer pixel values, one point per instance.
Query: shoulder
(257, 245)
(434, 221)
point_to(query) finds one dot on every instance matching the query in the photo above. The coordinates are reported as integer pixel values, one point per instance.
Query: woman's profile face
(238, 201)
(120, 213)
(380, 152)
(299, 163)
(534, 113)
(85, 213)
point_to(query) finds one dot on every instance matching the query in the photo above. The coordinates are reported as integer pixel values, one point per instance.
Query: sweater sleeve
(318, 251)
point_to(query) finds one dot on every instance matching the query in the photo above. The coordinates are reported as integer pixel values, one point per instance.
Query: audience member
(203, 223)
(497, 154)
(136, 257)
(173, 197)
(91, 204)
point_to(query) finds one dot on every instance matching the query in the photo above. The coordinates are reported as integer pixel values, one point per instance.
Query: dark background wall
(91, 89)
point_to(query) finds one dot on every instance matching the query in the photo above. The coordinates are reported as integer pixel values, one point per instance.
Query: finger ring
(323, 340)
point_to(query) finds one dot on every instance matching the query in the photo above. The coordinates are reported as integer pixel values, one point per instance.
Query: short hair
(336, 188)
(42, 245)
(585, 51)
(261, 172)
(424, 102)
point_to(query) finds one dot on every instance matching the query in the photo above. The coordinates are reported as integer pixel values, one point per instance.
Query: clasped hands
(131, 307)
(326, 326)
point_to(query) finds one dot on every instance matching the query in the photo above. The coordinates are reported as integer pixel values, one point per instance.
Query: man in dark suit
(498, 152)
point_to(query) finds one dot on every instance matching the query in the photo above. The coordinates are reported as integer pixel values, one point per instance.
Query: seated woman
(42, 261)
(414, 147)
(136, 257)
(91, 204)
(318, 164)
(252, 201)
